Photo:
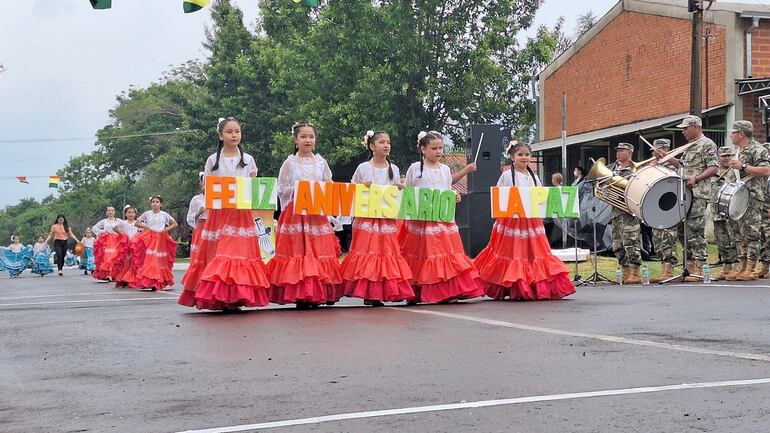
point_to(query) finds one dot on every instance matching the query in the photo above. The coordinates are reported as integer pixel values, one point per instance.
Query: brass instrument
(609, 187)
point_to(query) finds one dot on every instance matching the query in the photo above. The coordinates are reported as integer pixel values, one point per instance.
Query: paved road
(81, 356)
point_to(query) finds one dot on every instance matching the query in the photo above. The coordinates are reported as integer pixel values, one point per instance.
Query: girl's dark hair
(158, 197)
(581, 170)
(513, 146)
(423, 139)
(66, 224)
(220, 127)
(295, 132)
(369, 139)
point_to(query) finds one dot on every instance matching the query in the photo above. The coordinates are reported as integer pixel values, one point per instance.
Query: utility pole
(696, 7)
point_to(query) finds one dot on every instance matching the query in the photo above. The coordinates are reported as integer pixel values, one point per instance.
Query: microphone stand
(683, 214)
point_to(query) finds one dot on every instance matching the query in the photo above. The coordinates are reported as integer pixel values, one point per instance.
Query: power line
(48, 140)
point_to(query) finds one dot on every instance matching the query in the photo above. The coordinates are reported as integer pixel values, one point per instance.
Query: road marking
(478, 404)
(610, 338)
(86, 301)
(65, 294)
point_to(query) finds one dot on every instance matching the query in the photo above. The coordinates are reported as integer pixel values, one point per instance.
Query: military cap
(742, 126)
(662, 142)
(725, 150)
(690, 121)
(627, 146)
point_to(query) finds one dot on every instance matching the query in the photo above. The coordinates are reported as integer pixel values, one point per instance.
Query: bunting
(190, 6)
(53, 182)
(22, 179)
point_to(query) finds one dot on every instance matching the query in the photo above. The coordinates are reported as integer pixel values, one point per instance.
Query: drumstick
(652, 148)
(481, 139)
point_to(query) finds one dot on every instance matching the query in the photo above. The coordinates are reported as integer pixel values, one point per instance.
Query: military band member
(764, 254)
(626, 232)
(752, 160)
(725, 229)
(700, 164)
(664, 239)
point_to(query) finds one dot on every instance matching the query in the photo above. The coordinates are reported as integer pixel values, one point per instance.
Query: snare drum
(652, 196)
(733, 200)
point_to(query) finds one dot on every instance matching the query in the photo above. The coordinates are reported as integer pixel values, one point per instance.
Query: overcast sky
(66, 62)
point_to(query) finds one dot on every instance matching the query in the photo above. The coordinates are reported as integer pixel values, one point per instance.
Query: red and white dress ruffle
(226, 268)
(374, 269)
(517, 264)
(106, 247)
(434, 251)
(123, 271)
(305, 267)
(153, 252)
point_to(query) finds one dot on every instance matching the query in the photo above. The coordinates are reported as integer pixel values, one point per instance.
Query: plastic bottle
(619, 276)
(645, 276)
(706, 273)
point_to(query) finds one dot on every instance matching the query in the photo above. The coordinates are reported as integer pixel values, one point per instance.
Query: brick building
(630, 74)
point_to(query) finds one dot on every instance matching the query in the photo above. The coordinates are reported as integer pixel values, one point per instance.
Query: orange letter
(303, 199)
(496, 211)
(323, 193)
(343, 198)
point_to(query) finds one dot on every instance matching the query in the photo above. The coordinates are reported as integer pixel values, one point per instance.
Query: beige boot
(736, 270)
(634, 276)
(666, 272)
(694, 267)
(748, 272)
(765, 270)
(727, 269)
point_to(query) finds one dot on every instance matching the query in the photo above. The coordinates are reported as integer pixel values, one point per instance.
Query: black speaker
(488, 161)
(474, 219)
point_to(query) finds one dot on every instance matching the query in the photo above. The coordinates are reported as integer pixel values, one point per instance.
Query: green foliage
(347, 66)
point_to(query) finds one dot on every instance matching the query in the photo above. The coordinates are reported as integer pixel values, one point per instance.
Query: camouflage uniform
(764, 254)
(725, 229)
(626, 232)
(749, 226)
(699, 157)
(665, 239)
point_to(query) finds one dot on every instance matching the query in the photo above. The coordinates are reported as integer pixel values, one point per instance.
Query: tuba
(609, 187)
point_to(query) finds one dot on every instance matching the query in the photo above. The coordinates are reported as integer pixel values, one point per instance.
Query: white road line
(610, 338)
(742, 286)
(86, 301)
(65, 294)
(477, 404)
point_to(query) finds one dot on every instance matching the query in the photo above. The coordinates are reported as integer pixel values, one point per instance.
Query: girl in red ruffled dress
(153, 251)
(518, 263)
(106, 246)
(305, 269)
(374, 270)
(434, 251)
(123, 271)
(226, 269)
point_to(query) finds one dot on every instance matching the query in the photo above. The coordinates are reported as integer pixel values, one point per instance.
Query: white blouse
(156, 221)
(368, 172)
(197, 202)
(228, 166)
(40, 247)
(440, 177)
(16, 248)
(106, 226)
(129, 229)
(88, 242)
(522, 180)
(295, 169)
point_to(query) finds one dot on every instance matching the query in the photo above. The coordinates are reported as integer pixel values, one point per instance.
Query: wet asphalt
(78, 355)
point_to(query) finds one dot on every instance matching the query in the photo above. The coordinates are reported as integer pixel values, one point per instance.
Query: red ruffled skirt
(106, 248)
(440, 268)
(226, 267)
(305, 266)
(518, 263)
(374, 268)
(123, 271)
(152, 255)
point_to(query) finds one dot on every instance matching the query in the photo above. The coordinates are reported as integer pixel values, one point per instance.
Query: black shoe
(330, 303)
(377, 304)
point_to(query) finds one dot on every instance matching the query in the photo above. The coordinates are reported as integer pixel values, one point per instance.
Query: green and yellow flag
(194, 5)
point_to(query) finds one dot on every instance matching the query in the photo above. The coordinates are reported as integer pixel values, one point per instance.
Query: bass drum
(733, 200)
(652, 195)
